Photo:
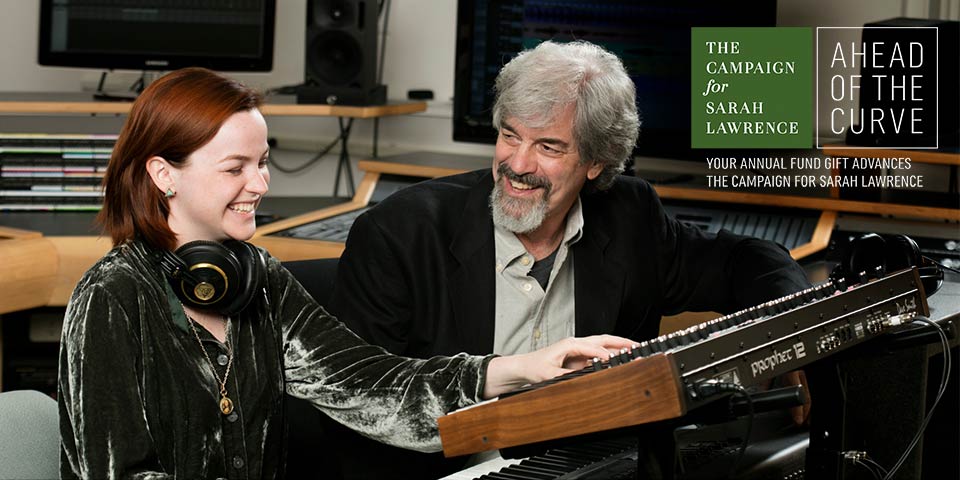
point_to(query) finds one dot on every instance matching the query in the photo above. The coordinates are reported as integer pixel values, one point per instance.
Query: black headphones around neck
(871, 254)
(222, 277)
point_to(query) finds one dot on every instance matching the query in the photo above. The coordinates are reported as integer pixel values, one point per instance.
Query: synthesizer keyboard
(666, 377)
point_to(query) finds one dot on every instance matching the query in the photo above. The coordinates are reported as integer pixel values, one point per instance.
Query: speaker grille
(334, 57)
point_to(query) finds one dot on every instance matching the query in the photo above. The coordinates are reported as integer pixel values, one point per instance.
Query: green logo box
(751, 87)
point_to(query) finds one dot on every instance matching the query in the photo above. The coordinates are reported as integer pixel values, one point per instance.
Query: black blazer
(417, 276)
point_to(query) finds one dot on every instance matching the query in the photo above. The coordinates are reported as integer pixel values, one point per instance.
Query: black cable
(870, 468)
(954, 270)
(385, 11)
(842, 382)
(746, 436)
(861, 459)
(944, 379)
(873, 473)
(308, 163)
(876, 466)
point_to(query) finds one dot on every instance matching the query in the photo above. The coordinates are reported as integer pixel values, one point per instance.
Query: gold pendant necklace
(226, 405)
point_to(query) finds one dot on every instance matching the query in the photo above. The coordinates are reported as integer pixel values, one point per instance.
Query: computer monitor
(234, 35)
(652, 38)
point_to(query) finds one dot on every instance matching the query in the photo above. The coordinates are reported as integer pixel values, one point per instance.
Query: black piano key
(491, 476)
(528, 472)
(567, 457)
(582, 454)
(548, 464)
(502, 475)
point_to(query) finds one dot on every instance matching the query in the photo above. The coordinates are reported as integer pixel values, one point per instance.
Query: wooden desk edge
(360, 199)
(811, 203)
(390, 168)
(820, 238)
(16, 233)
(30, 275)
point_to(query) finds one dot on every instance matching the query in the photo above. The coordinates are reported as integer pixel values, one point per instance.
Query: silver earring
(169, 193)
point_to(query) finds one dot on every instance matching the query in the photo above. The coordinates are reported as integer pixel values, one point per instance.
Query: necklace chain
(226, 405)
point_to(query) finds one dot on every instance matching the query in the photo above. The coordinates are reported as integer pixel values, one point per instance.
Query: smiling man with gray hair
(550, 242)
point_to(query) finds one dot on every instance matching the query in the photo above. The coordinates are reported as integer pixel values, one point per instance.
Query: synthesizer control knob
(614, 360)
(791, 301)
(781, 305)
(713, 325)
(595, 364)
(701, 332)
(879, 272)
(645, 349)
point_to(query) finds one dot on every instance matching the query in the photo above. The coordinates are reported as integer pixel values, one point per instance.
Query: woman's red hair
(173, 117)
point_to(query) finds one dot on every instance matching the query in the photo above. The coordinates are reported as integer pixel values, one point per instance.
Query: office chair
(29, 435)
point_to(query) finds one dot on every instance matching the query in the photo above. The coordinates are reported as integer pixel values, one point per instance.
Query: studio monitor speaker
(341, 54)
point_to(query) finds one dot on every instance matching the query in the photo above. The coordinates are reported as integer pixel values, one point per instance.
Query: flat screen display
(225, 35)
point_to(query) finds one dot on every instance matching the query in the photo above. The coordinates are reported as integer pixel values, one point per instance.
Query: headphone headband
(875, 255)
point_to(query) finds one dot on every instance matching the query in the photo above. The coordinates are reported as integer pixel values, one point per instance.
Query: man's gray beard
(504, 207)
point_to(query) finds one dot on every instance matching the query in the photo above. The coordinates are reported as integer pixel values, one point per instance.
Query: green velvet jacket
(138, 399)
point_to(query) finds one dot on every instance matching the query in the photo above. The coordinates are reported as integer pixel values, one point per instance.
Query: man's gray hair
(538, 83)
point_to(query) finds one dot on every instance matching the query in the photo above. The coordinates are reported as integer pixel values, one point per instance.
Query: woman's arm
(508, 373)
(393, 399)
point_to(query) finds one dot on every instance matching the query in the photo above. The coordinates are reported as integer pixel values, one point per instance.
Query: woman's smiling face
(222, 182)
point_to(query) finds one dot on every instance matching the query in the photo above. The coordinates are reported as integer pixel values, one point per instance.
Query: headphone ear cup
(901, 252)
(931, 276)
(864, 254)
(253, 275)
(218, 275)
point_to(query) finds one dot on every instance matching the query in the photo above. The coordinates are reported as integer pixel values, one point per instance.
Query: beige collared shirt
(527, 317)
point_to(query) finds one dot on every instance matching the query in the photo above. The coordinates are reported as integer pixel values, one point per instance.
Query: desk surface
(84, 103)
